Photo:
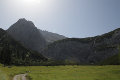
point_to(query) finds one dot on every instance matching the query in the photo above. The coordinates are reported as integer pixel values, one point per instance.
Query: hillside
(85, 50)
(13, 53)
(51, 37)
(113, 60)
(27, 34)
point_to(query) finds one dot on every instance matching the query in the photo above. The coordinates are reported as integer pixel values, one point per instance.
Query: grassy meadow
(63, 72)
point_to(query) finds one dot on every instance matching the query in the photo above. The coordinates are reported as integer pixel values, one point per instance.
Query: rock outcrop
(90, 50)
(26, 33)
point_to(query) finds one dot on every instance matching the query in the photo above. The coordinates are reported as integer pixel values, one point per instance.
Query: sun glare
(31, 1)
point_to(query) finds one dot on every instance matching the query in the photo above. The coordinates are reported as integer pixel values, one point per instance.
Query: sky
(71, 18)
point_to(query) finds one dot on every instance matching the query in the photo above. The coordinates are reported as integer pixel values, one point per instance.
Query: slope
(26, 33)
(51, 37)
(13, 53)
(85, 50)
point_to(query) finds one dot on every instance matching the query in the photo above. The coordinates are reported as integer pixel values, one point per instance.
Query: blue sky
(72, 18)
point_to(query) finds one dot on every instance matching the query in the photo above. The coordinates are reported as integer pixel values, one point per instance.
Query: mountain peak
(22, 19)
(25, 32)
(23, 23)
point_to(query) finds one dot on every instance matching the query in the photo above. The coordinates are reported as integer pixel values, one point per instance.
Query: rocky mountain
(51, 37)
(26, 33)
(13, 53)
(90, 50)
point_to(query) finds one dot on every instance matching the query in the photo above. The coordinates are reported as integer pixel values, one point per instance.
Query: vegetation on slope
(13, 53)
(114, 60)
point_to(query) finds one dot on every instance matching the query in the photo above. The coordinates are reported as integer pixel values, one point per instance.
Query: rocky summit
(25, 32)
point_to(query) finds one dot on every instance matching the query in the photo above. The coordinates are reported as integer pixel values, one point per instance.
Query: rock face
(90, 50)
(13, 53)
(26, 33)
(85, 51)
(51, 37)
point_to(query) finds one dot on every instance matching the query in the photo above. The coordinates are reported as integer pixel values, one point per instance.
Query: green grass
(3, 76)
(10, 72)
(65, 72)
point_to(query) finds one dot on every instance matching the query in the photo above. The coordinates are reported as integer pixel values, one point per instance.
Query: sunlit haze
(71, 18)
(31, 1)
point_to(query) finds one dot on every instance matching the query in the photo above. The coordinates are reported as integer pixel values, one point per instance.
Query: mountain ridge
(89, 50)
(30, 36)
(51, 37)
